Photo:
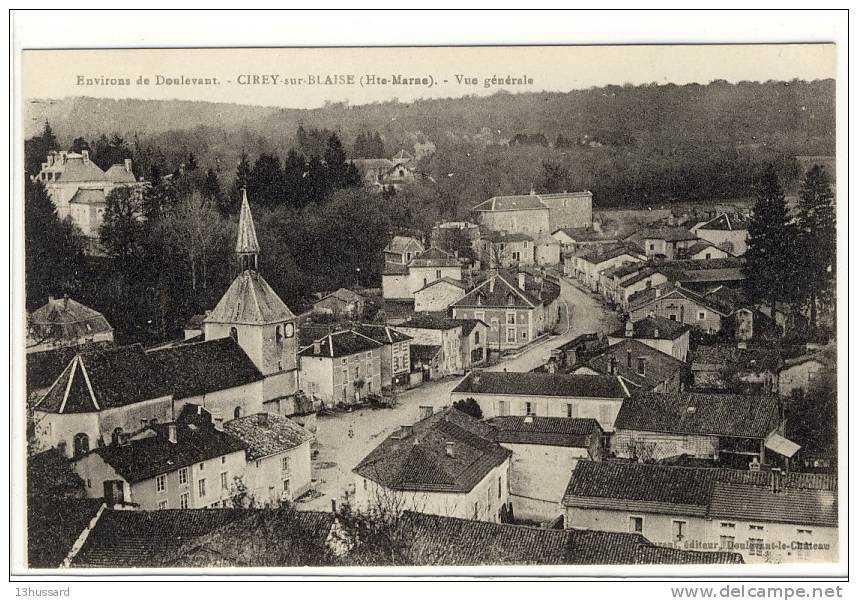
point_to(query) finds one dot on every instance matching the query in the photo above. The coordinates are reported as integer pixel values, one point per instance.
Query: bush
(469, 406)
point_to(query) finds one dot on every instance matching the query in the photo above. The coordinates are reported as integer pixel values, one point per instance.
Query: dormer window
(479, 300)
(510, 300)
(233, 333)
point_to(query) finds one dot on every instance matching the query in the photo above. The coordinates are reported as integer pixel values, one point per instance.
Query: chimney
(317, 347)
(85, 154)
(522, 279)
(50, 159)
(528, 419)
(655, 333)
(776, 480)
(128, 165)
(65, 301)
(670, 219)
(172, 434)
(630, 328)
(657, 292)
(450, 449)
(51, 299)
(334, 506)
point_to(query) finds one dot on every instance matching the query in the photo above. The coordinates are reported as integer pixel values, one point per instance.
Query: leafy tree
(113, 151)
(817, 239)
(469, 406)
(36, 149)
(53, 249)
(771, 259)
(79, 145)
(812, 417)
(212, 192)
(335, 161)
(122, 231)
(293, 175)
(266, 183)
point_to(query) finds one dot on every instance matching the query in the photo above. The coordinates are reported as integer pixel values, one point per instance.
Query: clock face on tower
(288, 330)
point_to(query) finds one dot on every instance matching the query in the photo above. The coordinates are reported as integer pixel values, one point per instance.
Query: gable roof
(118, 174)
(49, 474)
(65, 319)
(44, 367)
(340, 344)
(89, 196)
(585, 234)
(445, 280)
(381, 333)
(150, 452)
(702, 245)
(658, 366)
(420, 462)
(434, 257)
(668, 234)
(534, 294)
(204, 367)
(673, 290)
(736, 415)
(250, 300)
(826, 356)
(400, 244)
(647, 328)
(76, 169)
(342, 294)
(542, 384)
(427, 321)
(550, 431)
(392, 268)
(267, 433)
(105, 378)
(425, 352)
(518, 202)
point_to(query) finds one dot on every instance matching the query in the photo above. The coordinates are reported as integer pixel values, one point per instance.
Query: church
(246, 363)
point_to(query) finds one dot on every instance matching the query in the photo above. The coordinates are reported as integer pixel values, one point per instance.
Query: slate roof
(425, 321)
(434, 257)
(118, 174)
(506, 284)
(75, 169)
(53, 527)
(144, 539)
(424, 352)
(445, 280)
(381, 333)
(708, 492)
(654, 554)
(65, 320)
(672, 290)
(266, 434)
(518, 202)
(246, 242)
(542, 384)
(49, 474)
(250, 300)
(749, 359)
(658, 366)
(724, 222)
(735, 415)
(646, 328)
(44, 367)
(550, 431)
(89, 196)
(668, 234)
(391, 268)
(340, 344)
(419, 462)
(102, 379)
(204, 367)
(150, 452)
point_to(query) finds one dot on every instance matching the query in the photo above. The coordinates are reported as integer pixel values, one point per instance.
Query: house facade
(445, 334)
(501, 250)
(804, 372)
(401, 249)
(395, 353)
(65, 322)
(665, 335)
(402, 281)
(343, 367)
(438, 295)
(640, 366)
(522, 214)
(725, 232)
(679, 304)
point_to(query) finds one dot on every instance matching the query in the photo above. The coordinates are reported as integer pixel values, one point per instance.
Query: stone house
(502, 394)
(277, 456)
(521, 214)
(727, 233)
(677, 303)
(766, 516)
(395, 353)
(401, 249)
(402, 281)
(546, 250)
(665, 335)
(703, 250)
(501, 250)
(730, 366)
(804, 372)
(341, 303)
(447, 464)
(438, 295)
(342, 367)
(544, 453)
(640, 366)
(446, 334)
(65, 322)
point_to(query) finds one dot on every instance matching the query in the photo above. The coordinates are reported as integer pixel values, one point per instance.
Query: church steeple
(246, 246)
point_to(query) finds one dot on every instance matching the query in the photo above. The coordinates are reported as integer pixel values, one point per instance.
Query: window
(755, 528)
(510, 334)
(183, 476)
(81, 444)
(503, 408)
(476, 510)
(223, 460)
(287, 492)
(728, 524)
(524, 336)
(803, 544)
(202, 467)
(755, 547)
(701, 315)
(237, 412)
(284, 464)
(727, 542)
(635, 524)
(528, 408)
(672, 316)
(510, 318)
(570, 410)
(224, 480)
(494, 324)
(117, 434)
(679, 531)
(162, 504)
(395, 363)
(481, 315)
(510, 300)
(437, 274)
(233, 333)
(184, 500)
(161, 484)
(651, 246)
(201, 484)
(708, 255)
(278, 334)
(479, 299)
(500, 487)
(641, 366)
(476, 336)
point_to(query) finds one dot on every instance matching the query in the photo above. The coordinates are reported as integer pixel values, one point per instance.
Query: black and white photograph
(521, 307)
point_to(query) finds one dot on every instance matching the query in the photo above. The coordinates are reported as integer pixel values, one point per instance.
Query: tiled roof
(381, 333)
(511, 203)
(746, 416)
(725, 353)
(826, 356)
(266, 434)
(420, 460)
(653, 554)
(53, 527)
(391, 268)
(626, 354)
(642, 275)
(758, 503)
(150, 451)
(89, 196)
(205, 367)
(445, 280)
(647, 327)
(425, 352)
(102, 379)
(424, 321)
(44, 367)
(700, 246)
(506, 237)
(250, 300)
(49, 474)
(140, 539)
(729, 274)
(668, 234)
(65, 319)
(434, 257)
(261, 538)
(340, 344)
(602, 255)
(343, 294)
(542, 384)
(672, 290)
(75, 169)
(551, 431)
(506, 288)
(118, 174)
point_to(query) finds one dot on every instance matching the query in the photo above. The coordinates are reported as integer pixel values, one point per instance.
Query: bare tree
(192, 230)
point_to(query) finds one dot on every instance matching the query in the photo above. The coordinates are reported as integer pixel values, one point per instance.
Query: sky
(302, 74)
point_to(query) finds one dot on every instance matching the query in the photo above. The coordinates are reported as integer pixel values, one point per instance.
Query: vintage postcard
(566, 308)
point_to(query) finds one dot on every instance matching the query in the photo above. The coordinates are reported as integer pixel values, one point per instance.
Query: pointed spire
(246, 246)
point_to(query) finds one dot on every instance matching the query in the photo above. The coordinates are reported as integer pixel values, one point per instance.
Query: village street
(338, 453)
